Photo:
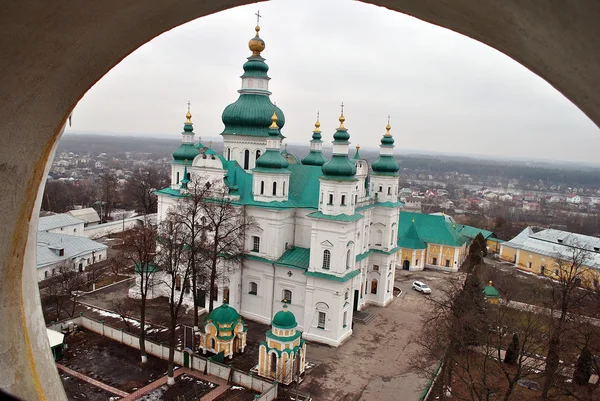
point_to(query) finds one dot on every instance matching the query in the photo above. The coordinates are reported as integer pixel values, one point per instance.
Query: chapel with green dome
(282, 356)
(224, 331)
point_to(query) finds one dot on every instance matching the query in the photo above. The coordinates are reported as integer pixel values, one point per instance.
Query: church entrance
(355, 300)
(406, 265)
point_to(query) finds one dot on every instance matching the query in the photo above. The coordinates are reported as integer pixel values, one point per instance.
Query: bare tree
(172, 260)
(139, 248)
(124, 307)
(562, 298)
(189, 212)
(139, 191)
(108, 194)
(226, 228)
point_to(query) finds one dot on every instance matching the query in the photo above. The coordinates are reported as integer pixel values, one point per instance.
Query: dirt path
(96, 383)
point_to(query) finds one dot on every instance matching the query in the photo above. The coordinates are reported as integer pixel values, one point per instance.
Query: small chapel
(224, 331)
(283, 356)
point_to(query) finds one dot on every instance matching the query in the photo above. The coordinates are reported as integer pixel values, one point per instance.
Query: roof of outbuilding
(73, 246)
(295, 257)
(430, 229)
(471, 232)
(411, 239)
(88, 215)
(57, 221)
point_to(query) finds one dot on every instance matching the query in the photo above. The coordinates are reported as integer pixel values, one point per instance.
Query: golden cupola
(256, 44)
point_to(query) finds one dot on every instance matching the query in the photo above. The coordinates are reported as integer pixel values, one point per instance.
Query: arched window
(262, 187)
(177, 182)
(226, 295)
(378, 237)
(228, 153)
(257, 154)
(246, 159)
(348, 259)
(326, 259)
(287, 296)
(212, 343)
(392, 234)
(274, 188)
(284, 188)
(274, 362)
(189, 176)
(374, 287)
(250, 83)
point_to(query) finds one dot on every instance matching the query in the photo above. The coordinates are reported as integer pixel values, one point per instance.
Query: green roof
(255, 67)
(490, 291)
(339, 167)
(272, 159)
(170, 191)
(411, 239)
(327, 276)
(250, 115)
(471, 232)
(284, 319)
(151, 268)
(223, 314)
(186, 151)
(363, 255)
(432, 229)
(296, 257)
(338, 217)
(385, 165)
(314, 158)
(298, 333)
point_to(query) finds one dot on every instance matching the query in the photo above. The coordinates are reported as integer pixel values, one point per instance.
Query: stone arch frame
(540, 42)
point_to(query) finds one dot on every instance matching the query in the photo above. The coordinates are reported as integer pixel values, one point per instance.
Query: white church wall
(257, 306)
(294, 282)
(334, 237)
(276, 230)
(240, 144)
(302, 228)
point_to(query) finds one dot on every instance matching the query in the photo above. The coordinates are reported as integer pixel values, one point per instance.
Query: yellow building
(429, 240)
(283, 356)
(538, 252)
(224, 331)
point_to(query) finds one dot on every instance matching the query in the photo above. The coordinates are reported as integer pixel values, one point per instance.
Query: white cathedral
(328, 229)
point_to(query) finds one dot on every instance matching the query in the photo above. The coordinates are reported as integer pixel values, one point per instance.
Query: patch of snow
(237, 388)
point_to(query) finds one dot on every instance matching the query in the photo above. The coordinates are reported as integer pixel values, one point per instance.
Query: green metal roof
(186, 151)
(314, 158)
(170, 191)
(471, 232)
(432, 229)
(411, 239)
(337, 217)
(331, 277)
(490, 291)
(255, 67)
(251, 115)
(272, 159)
(224, 314)
(284, 319)
(385, 165)
(363, 255)
(296, 257)
(269, 334)
(338, 167)
(151, 268)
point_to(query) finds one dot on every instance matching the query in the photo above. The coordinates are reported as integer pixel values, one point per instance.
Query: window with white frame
(253, 288)
(348, 259)
(287, 296)
(255, 244)
(346, 295)
(343, 203)
(345, 318)
(326, 259)
(321, 323)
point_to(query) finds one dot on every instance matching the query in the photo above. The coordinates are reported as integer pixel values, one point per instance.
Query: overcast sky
(444, 92)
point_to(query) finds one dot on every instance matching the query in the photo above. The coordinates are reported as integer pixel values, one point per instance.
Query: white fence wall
(112, 227)
(267, 388)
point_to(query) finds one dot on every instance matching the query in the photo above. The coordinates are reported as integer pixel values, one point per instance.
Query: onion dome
(340, 167)
(256, 44)
(272, 158)
(185, 181)
(386, 164)
(223, 315)
(490, 291)
(315, 157)
(186, 150)
(284, 319)
(250, 115)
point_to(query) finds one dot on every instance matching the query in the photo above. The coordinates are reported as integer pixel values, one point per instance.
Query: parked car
(421, 287)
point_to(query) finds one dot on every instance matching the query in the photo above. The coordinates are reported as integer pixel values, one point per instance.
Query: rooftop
(57, 221)
(72, 245)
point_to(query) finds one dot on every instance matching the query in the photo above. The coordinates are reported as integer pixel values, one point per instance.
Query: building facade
(327, 229)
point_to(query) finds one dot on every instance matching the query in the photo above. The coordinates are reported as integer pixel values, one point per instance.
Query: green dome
(186, 151)
(341, 135)
(272, 159)
(314, 158)
(387, 140)
(224, 314)
(339, 167)
(386, 165)
(250, 115)
(490, 291)
(255, 67)
(284, 319)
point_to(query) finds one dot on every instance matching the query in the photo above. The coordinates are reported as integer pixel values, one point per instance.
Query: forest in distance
(549, 172)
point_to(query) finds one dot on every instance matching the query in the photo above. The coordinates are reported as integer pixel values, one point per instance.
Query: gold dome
(342, 119)
(317, 124)
(388, 127)
(256, 44)
(188, 115)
